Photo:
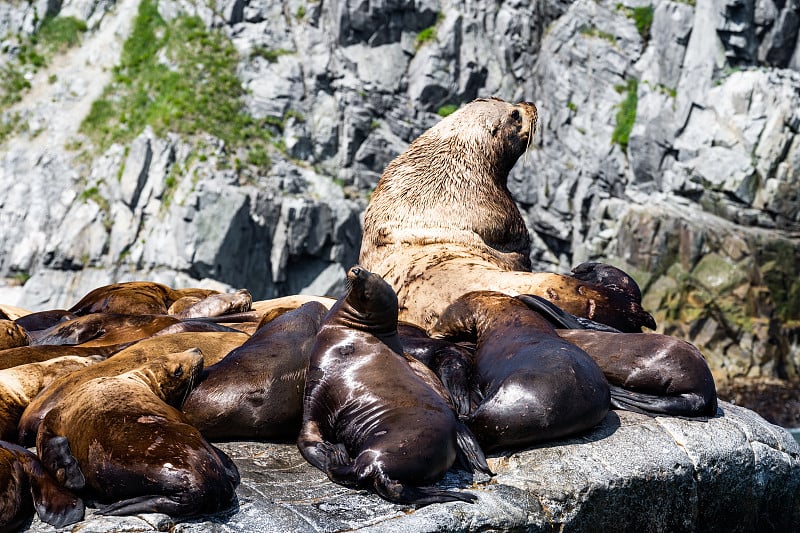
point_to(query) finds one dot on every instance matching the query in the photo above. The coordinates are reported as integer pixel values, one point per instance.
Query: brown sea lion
(256, 391)
(442, 222)
(24, 355)
(368, 419)
(103, 329)
(275, 307)
(123, 442)
(214, 345)
(216, 305)
(649, 373)
(19, 385)
(132, 297)
(12, 335)
(26, 487)
(533, 385)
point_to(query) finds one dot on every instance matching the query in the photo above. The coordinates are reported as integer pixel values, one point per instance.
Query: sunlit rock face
(695, 193)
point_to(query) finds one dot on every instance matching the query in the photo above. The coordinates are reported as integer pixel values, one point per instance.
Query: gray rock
(734, 472)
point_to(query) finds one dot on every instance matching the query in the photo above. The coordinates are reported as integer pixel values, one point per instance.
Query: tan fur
(442, 222)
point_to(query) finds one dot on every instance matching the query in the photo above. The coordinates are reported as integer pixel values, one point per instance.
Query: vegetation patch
(177, 77)
(271, 55)
(447, 109)
(626, 116)
(595, 32)
(642, 16)
(428, 34)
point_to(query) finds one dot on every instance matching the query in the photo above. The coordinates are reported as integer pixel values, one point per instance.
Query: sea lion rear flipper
(56, 456)
(691, 405)
(395, 491)
(470, 452)
(453, 367)
(154, 503)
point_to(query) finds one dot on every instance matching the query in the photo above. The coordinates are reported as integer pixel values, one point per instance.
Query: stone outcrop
(694, 191)
(734, 472)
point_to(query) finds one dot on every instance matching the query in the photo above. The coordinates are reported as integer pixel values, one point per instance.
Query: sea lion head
(489, 131)
(370, 296)
(173, 375)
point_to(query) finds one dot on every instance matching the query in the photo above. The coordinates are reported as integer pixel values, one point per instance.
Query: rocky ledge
(735, 472)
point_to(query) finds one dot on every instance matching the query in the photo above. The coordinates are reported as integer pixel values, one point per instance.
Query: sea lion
(442, 222)
(103, 329)
(122, 440)
(12, 335)
(22, 383)
(649, 373)
(534, 386)
(256, 391)
(44, 319)
(24, 355)
(368, 419)
(214, 345)
(214, 305)
(25, 486)
(134, 298)
(451, 363)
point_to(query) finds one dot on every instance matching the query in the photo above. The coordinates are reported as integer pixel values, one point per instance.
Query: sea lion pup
(20, 384)
(533, 385)
(368, 419)
(214, 345)
(256, 391)
(26, 487)
(649, 373)
(12, 335)
(123, 442)
(442, 222)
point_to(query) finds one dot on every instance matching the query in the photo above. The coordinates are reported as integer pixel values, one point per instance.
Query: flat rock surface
(735, 472)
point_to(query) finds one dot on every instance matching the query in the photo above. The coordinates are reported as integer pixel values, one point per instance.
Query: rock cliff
(668, 145)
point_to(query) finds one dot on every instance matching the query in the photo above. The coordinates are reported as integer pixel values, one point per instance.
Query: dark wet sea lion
(442, 222)
(26, 487)
(451, 363)
(214, 345)
(256, 391)
(102, 329)
(610, 277)
(368, 419)
(649, 373)
(12, 335)
(122, 441)
(19, 385)
(534, 386)
(44, 319)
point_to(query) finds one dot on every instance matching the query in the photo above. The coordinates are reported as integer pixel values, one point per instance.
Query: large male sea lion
(256, 391)
(369, 420)
(26, 487)
(442, 222)
(122, 440)
(533, 386)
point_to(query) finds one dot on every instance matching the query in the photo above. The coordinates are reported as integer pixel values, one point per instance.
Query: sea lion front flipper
(56, 456)
(690, 405)
(395, 491)
(453, 367)
(559, 318)
(470, 451)
(54, 505)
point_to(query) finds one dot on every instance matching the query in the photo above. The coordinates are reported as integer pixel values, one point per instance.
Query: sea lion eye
(515, 115)
(178, 372)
